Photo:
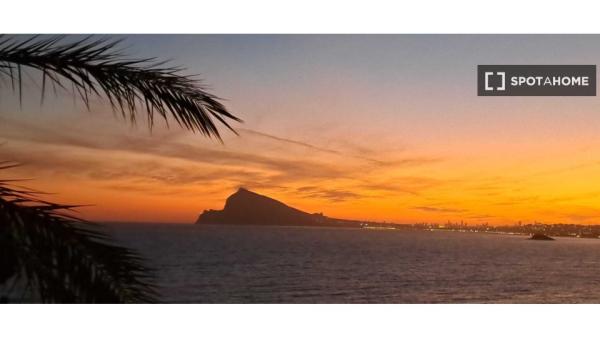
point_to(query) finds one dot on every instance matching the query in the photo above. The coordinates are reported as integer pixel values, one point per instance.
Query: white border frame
(299, 16)
(306, 16)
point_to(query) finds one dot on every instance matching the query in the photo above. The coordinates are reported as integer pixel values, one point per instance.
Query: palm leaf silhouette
(59, 258)
(97, 67)
(54, 255)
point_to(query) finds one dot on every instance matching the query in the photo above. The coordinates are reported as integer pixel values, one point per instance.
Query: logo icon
(502, 86)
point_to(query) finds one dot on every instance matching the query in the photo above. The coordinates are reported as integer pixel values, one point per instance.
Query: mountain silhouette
(245, 207)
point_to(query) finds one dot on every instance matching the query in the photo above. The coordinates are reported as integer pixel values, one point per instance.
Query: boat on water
(540, 236)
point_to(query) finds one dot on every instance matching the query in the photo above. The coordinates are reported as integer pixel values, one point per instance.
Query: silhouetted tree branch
(62, 258)
(97, 67)
(59, 257)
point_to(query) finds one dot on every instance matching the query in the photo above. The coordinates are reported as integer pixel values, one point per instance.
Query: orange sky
(349, 139)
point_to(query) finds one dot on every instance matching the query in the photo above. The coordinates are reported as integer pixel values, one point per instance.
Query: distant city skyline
(380, 127)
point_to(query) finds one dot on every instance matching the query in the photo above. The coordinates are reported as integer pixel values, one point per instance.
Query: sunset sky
(359, 127)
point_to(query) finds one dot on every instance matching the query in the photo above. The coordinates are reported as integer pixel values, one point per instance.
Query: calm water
(239, 264)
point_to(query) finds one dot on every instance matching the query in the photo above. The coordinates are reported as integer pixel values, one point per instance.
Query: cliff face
(248, 208)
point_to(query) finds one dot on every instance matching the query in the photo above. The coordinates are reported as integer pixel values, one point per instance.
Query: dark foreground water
(252, 264)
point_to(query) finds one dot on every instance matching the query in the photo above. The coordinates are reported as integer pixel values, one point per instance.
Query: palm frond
(63, 259)
(98, 67)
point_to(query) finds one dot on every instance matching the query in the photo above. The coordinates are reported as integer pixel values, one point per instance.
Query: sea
(270, 264)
